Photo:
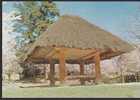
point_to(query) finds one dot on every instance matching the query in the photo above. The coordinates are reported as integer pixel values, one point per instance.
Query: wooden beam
(97, 67)
(62, 67)
(51, 53)
(52, 73)
(88, 56)
(82, 72)
(110, 54)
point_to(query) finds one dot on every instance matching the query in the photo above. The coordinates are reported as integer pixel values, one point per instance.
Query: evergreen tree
(34, 19)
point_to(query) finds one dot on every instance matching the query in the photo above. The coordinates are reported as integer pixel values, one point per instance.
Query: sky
(111, 16)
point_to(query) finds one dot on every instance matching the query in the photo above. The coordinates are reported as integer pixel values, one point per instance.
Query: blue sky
(111, 16)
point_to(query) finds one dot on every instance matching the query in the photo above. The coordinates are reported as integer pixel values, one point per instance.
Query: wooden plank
(97, 67)
(84, 77)
(62, 67)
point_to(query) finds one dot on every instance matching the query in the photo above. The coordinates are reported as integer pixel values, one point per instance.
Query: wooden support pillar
(52, 73)
(62, 67)
(82, 72)
(45, 72)
(97, 68)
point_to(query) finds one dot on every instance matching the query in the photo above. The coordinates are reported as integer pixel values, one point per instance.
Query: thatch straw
(75, 32)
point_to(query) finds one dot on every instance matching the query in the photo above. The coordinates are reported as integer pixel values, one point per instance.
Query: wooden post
(97, 68)
(82, 72)
(52, 73)
(62, 67)
(45, 72)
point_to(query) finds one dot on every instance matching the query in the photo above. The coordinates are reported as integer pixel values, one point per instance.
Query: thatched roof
(75, 32)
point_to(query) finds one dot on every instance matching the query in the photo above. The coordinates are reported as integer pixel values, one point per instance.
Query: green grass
(104, 90)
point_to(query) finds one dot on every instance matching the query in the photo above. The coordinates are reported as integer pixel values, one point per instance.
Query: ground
(130, 90)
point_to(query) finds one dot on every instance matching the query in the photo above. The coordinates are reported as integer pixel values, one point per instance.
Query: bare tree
(120, 64)
(9, 60)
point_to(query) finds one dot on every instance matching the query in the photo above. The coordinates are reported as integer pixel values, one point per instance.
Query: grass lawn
(103, 90)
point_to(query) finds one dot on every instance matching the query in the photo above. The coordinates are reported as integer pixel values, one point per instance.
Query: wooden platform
(83, 77)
